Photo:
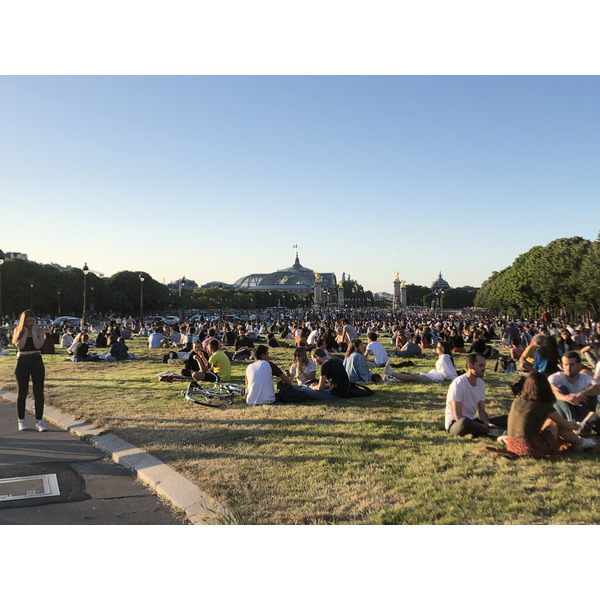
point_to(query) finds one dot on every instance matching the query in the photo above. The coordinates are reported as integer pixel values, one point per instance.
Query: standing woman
(29, 339)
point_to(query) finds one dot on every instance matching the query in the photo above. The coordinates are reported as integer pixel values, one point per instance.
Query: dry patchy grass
(384, 459)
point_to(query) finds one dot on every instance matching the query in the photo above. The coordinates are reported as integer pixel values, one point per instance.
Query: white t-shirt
(444, 369)
(313, 337)
(260, 387)
(155, 339)
(469, 396)
(379, 352)
(583, 382)
(311, 367)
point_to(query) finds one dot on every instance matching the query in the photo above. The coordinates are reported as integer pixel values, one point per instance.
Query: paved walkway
(77, 474)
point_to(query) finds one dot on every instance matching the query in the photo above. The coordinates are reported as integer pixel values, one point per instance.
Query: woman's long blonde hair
(300, 358)
(19, 330)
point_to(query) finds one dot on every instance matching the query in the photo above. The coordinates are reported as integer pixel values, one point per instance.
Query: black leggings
(30, 365)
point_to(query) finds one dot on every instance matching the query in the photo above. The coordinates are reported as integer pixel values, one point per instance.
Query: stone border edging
(177, 489)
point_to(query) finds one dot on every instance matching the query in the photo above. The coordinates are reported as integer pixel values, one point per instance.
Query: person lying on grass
(444, 369)
(535, 428)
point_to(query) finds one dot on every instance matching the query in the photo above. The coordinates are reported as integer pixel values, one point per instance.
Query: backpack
(359, 391)
(490, 352)
(288, 394)
(505, 365)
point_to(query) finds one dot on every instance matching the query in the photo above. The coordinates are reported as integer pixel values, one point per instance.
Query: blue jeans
(572, 412)
(317, 394)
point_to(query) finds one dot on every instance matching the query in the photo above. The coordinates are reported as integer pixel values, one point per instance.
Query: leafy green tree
(458, 298)
(552, 276)
(416, 293)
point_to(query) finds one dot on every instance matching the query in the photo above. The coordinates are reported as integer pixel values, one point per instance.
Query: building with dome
(295, 279)
(440, 285)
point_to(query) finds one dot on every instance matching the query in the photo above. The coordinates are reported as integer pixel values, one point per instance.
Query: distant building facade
(440, 284)
(296, 279)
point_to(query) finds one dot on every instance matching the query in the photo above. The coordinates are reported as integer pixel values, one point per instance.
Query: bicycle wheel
(206, 397)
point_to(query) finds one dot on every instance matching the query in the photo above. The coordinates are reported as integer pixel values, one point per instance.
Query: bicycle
(220, 395)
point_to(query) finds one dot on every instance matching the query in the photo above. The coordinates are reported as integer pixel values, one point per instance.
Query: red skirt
(537, 446)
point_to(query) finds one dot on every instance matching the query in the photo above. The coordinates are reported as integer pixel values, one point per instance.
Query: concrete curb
(177, 489)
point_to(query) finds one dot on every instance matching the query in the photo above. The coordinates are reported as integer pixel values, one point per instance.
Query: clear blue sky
(217, 177)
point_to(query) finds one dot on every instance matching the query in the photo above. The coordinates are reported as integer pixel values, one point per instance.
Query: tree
(553, 276)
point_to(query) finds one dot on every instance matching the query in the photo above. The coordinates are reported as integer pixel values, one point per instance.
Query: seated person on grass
(576, 392)
(466, 399)
(260, 386)
(516, 350)
(243, 346)
(333, 382)
(212, 335)
(82, 351)
(534, 426)
(157, 340)
(216, 367)
(119, 350)
(302, 367)
(376, 354)
(591, 351)
(527, 358)
(355, 363)
(444, 369)
(274, 343)
(411, 348)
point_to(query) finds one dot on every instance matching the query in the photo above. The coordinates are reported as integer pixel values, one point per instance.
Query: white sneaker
(21, 425)
(389, 379)
(39, 425)
(388, 368)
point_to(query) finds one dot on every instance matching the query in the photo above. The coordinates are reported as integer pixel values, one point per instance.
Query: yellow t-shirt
(220, 365)
(529, 353)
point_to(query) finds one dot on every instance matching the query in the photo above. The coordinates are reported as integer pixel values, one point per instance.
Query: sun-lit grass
(378, 460)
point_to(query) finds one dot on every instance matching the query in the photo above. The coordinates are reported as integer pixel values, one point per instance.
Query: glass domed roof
(295, 278)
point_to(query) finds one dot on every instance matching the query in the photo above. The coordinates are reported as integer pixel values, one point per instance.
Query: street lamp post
(181, 285)
(31, 294)
(86, 270)
(1, 263)
(58, 294)
(141, 276)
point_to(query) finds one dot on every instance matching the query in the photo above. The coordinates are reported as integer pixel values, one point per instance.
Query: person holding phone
(28, 337)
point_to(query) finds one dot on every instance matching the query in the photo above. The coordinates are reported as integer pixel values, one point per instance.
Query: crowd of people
(557, 402)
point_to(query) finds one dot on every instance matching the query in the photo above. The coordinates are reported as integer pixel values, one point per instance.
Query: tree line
(561, 277)
(51, 291)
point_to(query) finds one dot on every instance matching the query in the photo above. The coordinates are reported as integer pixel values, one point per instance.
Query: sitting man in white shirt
(576, 392)
(466, 399)
(376, 354)
(157, 340)
(260, 386)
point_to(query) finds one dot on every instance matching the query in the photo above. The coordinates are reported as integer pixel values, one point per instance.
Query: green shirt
(526, 417)
(220, 365)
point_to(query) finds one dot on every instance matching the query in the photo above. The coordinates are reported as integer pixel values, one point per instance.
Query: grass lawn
(379, 460)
